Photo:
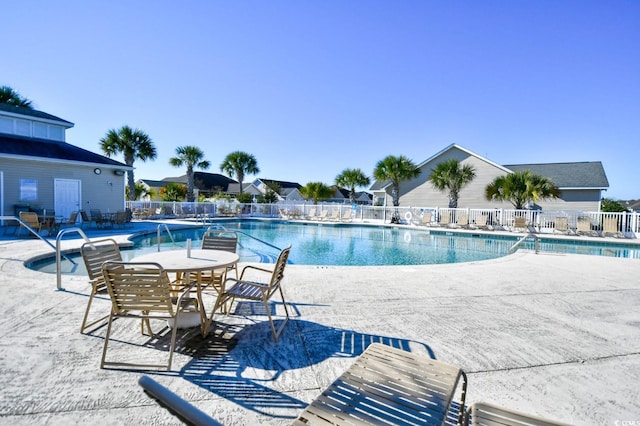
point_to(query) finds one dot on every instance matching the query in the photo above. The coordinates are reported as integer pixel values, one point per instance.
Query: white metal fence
(540, 221)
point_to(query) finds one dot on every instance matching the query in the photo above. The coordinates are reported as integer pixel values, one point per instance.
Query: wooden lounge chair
(481, 413)
(246, 288)
(386, 385)
(94, 254)
(142, 291)
(346, 216)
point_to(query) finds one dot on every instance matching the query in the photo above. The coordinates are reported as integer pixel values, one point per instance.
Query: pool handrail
(59, 253)
(161, 225)
(222, 228)
(536, 241)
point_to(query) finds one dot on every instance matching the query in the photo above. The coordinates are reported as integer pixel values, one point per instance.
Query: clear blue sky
(313, 87)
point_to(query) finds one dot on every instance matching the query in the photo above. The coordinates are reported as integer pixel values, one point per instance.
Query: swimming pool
(358, 245)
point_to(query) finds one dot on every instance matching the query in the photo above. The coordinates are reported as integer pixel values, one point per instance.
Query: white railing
(539, 221)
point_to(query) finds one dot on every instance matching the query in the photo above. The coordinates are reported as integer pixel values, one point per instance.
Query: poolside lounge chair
(425, 220)
(463, 220)
(142, 291)
(445, 219)
(561, 225)
(610, 227)
(246, 288)
(584, 226)
(519, 222)
(481, 413)
(94, 254)
(322, 216)
(335, 215)
(311, 214)
(481, 222)
(386, 385)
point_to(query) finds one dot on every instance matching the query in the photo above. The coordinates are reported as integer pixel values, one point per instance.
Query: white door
(66, 196)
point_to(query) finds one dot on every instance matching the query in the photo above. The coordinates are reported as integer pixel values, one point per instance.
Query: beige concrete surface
(553, 335)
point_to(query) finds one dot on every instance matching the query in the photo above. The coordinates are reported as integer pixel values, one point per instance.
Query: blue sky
(313, 87)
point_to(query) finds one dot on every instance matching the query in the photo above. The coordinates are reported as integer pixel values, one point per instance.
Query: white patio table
(184, 262)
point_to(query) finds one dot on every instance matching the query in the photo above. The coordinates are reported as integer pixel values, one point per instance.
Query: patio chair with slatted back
(387, 385)
(142, 291)
(258, 290)
(31, 220)
(71, 220)
(94, 254)
(218, 240)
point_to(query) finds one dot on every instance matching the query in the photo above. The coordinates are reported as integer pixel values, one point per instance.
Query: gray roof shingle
(588, 174)
(53, 150)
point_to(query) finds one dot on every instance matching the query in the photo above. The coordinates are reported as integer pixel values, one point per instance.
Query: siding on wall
(96, 192)
(420, 192)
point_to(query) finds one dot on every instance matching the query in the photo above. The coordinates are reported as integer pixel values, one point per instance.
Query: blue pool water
(354, 245)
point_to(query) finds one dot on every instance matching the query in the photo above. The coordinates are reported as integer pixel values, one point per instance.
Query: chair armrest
(256, 268)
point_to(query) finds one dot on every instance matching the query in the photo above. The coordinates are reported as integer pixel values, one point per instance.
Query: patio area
(552, 335)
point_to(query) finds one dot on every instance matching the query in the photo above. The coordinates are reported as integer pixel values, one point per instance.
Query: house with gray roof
(206, 184)
(39, 170)
(581, 184)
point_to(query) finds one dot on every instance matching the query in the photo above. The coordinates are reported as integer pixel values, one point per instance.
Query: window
(28, 190)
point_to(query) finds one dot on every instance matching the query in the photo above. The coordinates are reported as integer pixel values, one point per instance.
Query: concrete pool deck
(548, 334)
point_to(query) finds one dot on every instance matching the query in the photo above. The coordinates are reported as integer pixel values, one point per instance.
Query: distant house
(206, 184)
(39, 170)
(289, 191)
(581, 183)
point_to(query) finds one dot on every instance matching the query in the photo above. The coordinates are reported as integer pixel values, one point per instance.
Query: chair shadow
(220, 364)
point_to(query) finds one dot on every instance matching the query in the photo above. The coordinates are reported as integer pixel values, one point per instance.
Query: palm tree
(316, 191)
(450, 176)
(396, 170)
(239, 163)
(520, 188)
(192, 156)
(11, 97)
(141, 190)
(134, 144)
(352, 178)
